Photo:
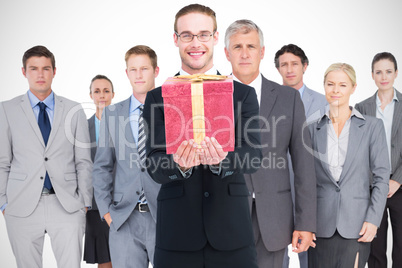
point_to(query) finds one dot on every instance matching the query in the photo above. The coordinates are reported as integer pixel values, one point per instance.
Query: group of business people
(331, 167)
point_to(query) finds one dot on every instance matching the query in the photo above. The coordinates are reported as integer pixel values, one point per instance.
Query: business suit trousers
(65, 230)
(338, 252)
(265, 258)
(378, 255)
(208, 257)
(133, 244)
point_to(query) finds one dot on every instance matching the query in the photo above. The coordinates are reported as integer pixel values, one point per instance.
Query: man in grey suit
(126, 199)
(291, 62)
(281, 121)
(45, 167)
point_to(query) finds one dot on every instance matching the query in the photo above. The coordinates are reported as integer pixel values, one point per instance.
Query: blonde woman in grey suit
(352, 169)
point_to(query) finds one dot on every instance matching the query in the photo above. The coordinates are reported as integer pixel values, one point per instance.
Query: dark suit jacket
(369, 107)
(92, 136)
(205, 207)
(282, 118)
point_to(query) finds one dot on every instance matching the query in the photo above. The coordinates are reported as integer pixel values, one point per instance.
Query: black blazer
(205, 207)
(92, 136)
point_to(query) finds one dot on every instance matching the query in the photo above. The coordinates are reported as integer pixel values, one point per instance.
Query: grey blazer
(314, 107)
(281, 122)
(117, 151)
(314, 104)
(369, 107)
(346, 204)
(24, 158)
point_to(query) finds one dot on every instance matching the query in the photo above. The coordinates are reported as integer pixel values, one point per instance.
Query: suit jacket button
(393, 145)
(142, 169)
(338, 190)
(46, 158)
(41, 178)
(137, 192)
(206, 194)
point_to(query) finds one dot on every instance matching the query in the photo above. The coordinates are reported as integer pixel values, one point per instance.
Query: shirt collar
(256, 83)
(301, 90)
(134, 104)
(355, 113)
(212, 71)
(378, 101)
(49, 101)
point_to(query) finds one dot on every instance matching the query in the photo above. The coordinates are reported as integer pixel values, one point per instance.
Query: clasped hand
(189, 154)
(367, 232)
(302, 240)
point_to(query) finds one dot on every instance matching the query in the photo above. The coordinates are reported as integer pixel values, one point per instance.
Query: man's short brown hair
(38, 51)
(195, 8)
(143, 50)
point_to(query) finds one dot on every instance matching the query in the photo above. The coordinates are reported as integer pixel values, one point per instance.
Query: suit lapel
(57, 119)
(91, 126)
(307, 100)
(372, 106)
(397, 118)
(92, 135)
(124, 110)
(322, 140)
(26, 107)
(268, 98)
(355, 137)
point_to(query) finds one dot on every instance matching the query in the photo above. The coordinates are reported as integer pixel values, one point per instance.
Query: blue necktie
(44, 125)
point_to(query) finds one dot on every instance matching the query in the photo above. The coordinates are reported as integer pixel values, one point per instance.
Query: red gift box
(197, 106)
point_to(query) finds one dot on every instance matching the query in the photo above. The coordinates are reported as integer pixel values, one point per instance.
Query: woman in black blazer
(96, 249)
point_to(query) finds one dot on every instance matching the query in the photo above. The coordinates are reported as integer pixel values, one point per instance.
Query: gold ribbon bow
(197, 101)
(201, 77)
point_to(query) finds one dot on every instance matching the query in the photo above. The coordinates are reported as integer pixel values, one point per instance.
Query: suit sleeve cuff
(3, 207)
(187, 173)
(216, 169)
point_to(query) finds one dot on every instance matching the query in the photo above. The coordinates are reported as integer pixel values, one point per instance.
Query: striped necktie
(141, 136)
(141, 147)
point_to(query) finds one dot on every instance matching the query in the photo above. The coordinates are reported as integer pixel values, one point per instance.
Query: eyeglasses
(188, 37)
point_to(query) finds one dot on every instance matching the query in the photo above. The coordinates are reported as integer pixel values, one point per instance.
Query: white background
(91, 37)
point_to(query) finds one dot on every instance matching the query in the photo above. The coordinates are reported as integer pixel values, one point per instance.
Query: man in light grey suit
(281, 121)
(127, 199)
(45, 167)
(291, 62)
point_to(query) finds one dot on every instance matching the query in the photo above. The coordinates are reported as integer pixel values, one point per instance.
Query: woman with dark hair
(96, 248)
(386, 105)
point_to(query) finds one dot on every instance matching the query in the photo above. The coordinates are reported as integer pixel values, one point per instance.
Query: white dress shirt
(386, 116)
(337, 147)
(256, 84)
